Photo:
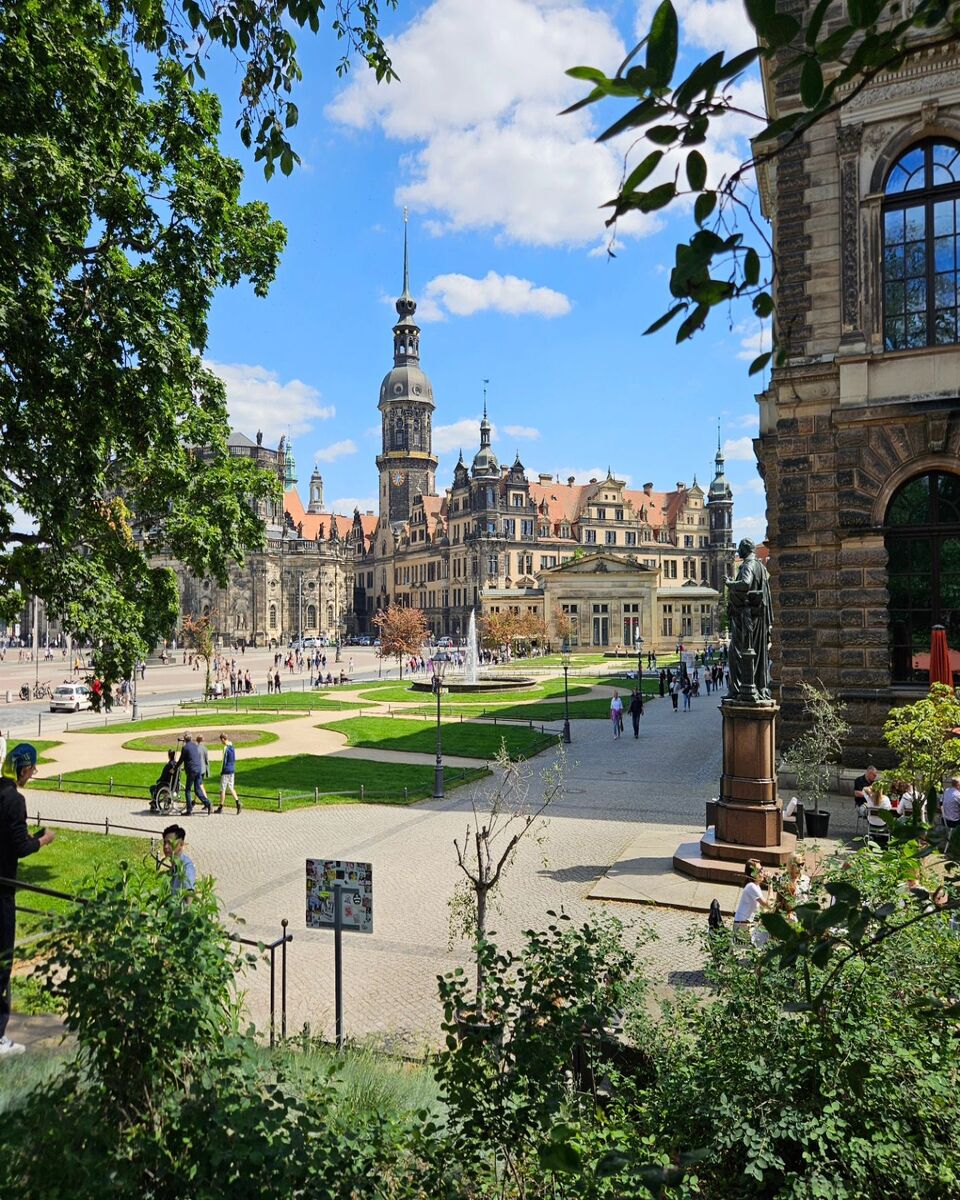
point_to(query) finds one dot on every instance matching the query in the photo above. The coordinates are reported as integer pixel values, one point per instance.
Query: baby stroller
(166, 796)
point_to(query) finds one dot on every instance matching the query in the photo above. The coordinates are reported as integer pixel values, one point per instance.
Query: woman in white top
(752, 899)
(877, 802)
(616, 714)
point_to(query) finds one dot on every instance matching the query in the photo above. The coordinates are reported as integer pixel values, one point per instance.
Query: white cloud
(754, 487)
(461, 435)
(463, 296)
(754, 340)
(345, 506)
(739, 450)
(257, 400)
(750, 420)
(754, 527)
(522, 431)
(336, 450)
(488, 148)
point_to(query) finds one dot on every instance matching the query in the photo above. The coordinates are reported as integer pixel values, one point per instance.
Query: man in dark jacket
(16, 842)
(636, 711)
(192, 764)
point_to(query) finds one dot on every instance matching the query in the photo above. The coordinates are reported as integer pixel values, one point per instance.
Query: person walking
(636, 711)
(675, 692)
(662, 682)
(276, 681)
(204, 758)
(16, 842)
(269, 682)
(616, 715)
(228, 769)
(687, 689)
(192, 764)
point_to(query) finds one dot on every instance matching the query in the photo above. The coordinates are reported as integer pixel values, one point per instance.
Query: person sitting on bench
(165, 780)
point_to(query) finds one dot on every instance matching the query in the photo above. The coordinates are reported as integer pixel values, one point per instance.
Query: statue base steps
(722, 862)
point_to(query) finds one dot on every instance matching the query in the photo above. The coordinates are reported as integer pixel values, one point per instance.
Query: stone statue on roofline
(750, 609)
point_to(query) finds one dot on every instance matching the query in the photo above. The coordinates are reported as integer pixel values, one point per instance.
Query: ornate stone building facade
(860, 428)
(492, 538)
(297, 586)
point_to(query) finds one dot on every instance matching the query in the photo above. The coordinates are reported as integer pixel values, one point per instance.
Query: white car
(70, 697)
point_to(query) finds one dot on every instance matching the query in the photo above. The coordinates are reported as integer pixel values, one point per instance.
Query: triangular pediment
(600, 564)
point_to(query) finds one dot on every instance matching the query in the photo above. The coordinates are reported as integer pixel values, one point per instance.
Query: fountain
(471, 660)
(471, 680)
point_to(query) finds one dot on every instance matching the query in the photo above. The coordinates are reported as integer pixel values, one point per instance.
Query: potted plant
(488, 848)
(814, 754)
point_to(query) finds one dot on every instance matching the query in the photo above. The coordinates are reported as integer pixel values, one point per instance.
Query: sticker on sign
(326, 877)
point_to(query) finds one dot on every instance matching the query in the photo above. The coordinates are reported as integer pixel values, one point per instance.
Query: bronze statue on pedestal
(751, 619)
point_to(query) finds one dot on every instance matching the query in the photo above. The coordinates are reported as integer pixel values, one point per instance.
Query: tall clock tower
(406, 461)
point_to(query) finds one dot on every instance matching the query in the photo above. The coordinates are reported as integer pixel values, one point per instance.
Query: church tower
(720, 516)
(406, 462)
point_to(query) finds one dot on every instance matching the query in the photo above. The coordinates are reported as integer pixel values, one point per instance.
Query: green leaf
(740, 62)
(696, 170)
(763, 304)
(704, 206)
(662, 44)
(751, 268)
(640, 114)
(612, 1163)
(641, 171)
(703, 78)
(658, 197)
(559, 1156)
(663, 135)
(811, 82)
(694, 322)
(665, 319)
(759, 363)
(816, 22)
(589, 73)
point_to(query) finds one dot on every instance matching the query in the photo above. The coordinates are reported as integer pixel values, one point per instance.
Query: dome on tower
(485, 461)
(406, 382)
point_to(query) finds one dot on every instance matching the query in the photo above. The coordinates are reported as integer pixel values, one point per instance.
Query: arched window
(330, 616)
(311, 616)
(399, 434)
(273, 616)
(922, 536)
(921, 218)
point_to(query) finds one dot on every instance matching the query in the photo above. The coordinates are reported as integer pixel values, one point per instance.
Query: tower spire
(485, 382)
(406, 272)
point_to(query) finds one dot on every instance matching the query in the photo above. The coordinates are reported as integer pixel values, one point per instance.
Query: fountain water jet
(471, 660)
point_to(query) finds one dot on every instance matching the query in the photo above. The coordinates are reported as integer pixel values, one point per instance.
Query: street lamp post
(439, 667)
(638, 643)
(566, 698)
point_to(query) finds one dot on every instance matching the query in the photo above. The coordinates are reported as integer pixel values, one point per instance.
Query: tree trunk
(481, 937)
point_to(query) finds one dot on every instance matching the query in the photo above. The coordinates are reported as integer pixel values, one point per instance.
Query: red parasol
(940, 657)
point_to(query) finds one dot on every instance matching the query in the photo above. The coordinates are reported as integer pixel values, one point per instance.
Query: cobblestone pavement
(390, 976)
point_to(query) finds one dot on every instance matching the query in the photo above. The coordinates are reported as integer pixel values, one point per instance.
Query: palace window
(273, 616)
(311, 616)
(590, 536)
(611, 537)
(922, 536)
(526, 528)
(921, 216)
(631, 538)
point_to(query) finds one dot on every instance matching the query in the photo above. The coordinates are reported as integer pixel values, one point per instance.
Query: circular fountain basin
(493, 683)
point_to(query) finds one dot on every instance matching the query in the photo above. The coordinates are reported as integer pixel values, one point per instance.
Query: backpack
(715, 917)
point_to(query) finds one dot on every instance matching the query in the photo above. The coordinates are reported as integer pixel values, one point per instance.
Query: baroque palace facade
(859, 439)
(619, 561)
(498, 539)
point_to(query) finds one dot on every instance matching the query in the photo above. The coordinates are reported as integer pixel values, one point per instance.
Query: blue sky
(507, 260)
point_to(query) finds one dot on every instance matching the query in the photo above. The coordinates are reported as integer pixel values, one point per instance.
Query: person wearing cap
(16, 842)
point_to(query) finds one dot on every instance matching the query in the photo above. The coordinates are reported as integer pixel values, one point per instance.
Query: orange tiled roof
(311, 522)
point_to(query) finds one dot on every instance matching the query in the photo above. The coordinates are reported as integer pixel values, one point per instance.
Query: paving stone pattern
(662, 780)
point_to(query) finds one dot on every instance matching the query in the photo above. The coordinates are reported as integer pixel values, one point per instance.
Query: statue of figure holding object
(750, 609)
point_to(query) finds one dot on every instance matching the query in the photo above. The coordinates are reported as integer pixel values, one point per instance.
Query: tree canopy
(832, 48)
(119, 219)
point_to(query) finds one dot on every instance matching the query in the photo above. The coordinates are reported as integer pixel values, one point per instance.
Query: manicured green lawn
(627, 683)
(63, 866)
(469, 740)
(191, 721)
(248, 739)
(540, 691)
(259, 779)
(307, 701)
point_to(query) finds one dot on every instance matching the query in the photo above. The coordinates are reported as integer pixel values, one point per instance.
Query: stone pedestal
(749, 816)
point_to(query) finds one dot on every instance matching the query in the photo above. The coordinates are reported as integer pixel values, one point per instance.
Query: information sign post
(339, 896)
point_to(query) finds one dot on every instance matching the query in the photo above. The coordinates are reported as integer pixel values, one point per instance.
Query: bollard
(106, 825)
(279, 801)
(39, 724)
(405, 795)
(361, 793)
(316, 795)
(60, 782)
(110, 789)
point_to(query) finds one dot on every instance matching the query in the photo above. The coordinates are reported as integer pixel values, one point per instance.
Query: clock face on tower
(398, 478)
